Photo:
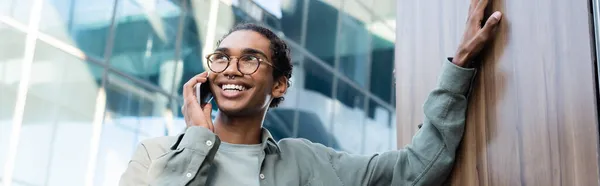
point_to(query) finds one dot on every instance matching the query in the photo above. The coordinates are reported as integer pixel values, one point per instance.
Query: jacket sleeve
(428, 160)
(137, 169)
(187, 162)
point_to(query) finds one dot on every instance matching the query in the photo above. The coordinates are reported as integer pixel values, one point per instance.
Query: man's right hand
(194, 113)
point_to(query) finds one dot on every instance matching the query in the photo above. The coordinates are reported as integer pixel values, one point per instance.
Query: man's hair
(280, 54)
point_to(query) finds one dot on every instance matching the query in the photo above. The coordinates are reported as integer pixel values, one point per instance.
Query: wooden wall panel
(532, 116)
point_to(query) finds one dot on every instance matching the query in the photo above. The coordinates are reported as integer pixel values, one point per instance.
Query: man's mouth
(233, 87)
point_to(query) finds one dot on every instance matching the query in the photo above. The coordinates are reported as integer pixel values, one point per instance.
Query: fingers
(188, 87)
(191, 110)
(472, 6)
(207, 109)
(476, 11)
(490, 25)
(481, 7)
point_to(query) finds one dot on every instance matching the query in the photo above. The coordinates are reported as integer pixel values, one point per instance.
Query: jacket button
(188, 174)
(262, 176)
(209, 143)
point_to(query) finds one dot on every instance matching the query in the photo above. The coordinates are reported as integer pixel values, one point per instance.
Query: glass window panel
(58, 116)
(11, 57)
(280, 122)
(17, 9)
(292, 12)
(316, 78)
(321, 30)
(314, 99)
(349, 117)
(227, 17)
(393, 91)
(192, 42)
(145, 38)
(194, 30)
(133, 113)
(297, 80)
(81, 23)
(354, 43)
(310, 108)
(385, 9)
(378, 130)
(394, 126)
(382, 64)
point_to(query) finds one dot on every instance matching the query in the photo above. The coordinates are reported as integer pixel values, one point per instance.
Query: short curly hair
(280, 54)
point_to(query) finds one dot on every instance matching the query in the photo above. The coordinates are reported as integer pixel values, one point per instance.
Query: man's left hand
(475, 36)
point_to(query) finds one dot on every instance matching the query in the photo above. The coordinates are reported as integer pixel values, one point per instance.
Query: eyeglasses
(247, 64)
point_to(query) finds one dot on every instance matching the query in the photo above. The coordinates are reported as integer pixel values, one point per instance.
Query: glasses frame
(229, 58)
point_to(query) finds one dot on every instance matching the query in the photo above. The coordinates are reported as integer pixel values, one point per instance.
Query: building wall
(83, 82)
(532, 117)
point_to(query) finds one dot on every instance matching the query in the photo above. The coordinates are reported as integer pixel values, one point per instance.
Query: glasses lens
(248, 64)
(217, 62)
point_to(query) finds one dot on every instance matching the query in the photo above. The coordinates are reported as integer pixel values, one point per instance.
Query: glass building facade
(82, 82)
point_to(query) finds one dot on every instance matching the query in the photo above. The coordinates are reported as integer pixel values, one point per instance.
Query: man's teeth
(233, 87)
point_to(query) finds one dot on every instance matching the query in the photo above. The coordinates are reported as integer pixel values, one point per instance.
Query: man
(249, 73)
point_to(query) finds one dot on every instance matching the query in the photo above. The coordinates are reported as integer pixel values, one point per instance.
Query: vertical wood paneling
(532, 116)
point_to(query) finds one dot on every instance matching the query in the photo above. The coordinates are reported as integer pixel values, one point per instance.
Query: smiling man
(248, 74)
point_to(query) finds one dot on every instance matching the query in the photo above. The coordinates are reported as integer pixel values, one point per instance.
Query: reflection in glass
(315, 97)
(349, 116)
(377, 129)
(321, 30)
(145, 38)
(61, 108)
(386, 10)
(133, 114)
(11, 57)
(192, 42)
(354, 43)
(280, 122)
(394, 136)
(228, 16)
(382, 64)
(291, 19)
(81, 23)
(317, 79)
(16, 9)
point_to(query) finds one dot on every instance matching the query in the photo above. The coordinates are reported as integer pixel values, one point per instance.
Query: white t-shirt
(237, 164)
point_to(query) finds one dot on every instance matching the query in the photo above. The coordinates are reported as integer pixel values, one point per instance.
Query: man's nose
(232, 69)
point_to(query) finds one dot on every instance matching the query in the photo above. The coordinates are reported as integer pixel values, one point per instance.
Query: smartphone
(203, 93)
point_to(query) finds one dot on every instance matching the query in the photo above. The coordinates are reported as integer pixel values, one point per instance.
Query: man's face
(257, 88)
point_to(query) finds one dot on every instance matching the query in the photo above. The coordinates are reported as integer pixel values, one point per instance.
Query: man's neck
(239, 130)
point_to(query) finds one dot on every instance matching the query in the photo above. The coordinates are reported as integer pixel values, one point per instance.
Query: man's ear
(280, 87)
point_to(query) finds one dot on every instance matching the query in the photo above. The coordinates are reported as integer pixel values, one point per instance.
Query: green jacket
(187, 159)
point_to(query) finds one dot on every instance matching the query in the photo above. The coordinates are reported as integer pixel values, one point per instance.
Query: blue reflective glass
(349, 117)
(144, 41)
(378, 131)
(84, 24)
(59, 114)
(321, 30)
(193, 36)
(133, 113)
(354, 50)
(382, 66)
(19, 10)
(292, 12)
(11, 58)
(314, 99)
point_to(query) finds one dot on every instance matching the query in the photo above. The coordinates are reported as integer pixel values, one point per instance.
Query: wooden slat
(532, 114)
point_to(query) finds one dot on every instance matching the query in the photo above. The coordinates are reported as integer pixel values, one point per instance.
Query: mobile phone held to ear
(203, 93)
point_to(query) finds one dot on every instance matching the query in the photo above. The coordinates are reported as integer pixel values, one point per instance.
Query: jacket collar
(268, 143)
